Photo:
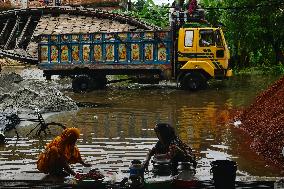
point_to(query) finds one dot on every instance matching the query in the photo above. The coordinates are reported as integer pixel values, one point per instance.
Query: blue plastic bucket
(136, 170)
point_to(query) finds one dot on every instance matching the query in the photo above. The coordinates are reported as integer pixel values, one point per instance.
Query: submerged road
(119, 128)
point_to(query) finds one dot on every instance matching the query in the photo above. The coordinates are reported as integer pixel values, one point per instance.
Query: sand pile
(264, 121)
(30, 94)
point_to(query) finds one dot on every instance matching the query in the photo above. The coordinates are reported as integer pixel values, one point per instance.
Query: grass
(261, 70)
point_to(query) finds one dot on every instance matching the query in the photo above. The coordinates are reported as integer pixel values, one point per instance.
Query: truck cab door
(222, 52)
(211, 44)
(212, 49)
(187, 45)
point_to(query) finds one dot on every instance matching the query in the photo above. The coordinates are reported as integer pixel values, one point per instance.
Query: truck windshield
(206, 38)
(210, 38)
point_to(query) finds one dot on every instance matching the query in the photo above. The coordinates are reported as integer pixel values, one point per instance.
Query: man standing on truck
(192, 7)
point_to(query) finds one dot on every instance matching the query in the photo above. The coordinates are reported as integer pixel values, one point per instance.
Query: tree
(254, 29)
(148, 11)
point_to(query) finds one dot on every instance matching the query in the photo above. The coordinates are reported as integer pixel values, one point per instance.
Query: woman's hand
(149, 155)
(145, 165)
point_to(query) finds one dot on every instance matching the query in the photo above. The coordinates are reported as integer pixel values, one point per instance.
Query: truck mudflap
(222, 73)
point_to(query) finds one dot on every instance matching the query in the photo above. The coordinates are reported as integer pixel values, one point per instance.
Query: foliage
(254, 29)
(147, 10)
(263, 69)
(213, 16)
(278, 69)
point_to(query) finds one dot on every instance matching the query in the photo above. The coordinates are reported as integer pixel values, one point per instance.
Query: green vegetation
(264, 69)
(254, 31)
(147, 10)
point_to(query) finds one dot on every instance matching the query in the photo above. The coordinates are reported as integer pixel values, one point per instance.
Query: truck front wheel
(193, 81)
(81, 84)
(99, 82)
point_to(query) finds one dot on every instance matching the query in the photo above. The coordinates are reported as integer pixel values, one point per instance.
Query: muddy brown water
(117, 127)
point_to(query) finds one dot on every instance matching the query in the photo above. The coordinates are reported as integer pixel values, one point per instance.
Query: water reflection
(115, 134)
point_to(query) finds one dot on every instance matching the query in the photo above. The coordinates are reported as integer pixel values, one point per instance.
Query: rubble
(264, 121)
(10, 62)
(30, 94)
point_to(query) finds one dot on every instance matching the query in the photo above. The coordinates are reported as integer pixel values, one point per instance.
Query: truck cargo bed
(106, 53)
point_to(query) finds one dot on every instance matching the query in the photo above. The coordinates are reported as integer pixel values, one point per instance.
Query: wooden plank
(12, 33)
(20, 40)
(4, 29)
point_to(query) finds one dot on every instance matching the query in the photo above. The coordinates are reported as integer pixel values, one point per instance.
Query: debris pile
(264, 121)
(5, 5)
(10, 62)
(30, 94)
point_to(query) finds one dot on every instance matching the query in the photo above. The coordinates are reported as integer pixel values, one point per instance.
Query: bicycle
(13, 120)
(43, 126)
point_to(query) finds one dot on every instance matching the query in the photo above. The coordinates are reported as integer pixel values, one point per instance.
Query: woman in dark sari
(170, 147)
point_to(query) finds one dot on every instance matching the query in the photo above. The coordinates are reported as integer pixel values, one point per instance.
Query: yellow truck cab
(202, 54)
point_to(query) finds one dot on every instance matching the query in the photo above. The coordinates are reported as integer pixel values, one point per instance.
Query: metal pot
(162, 169)
(135, 182)
(185, 166)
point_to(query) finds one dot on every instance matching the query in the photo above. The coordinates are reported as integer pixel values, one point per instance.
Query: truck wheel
(193, 81)
(99, 82)
(81, 84)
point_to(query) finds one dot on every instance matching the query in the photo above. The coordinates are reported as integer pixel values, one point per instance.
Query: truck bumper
(229, 73)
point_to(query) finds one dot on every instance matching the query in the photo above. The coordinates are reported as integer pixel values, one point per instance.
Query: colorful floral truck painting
(150, 56)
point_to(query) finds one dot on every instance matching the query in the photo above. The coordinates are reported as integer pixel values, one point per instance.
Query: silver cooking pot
(162, 167)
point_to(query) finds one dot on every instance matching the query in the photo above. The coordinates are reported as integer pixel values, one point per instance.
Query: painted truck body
(149, 54)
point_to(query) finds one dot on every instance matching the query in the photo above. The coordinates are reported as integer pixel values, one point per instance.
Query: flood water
(118, 128)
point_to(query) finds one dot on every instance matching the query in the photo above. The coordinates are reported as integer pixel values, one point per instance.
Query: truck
(189, 54)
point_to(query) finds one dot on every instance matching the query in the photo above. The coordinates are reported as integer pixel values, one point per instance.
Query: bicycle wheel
(56, 124)
(49, 127)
